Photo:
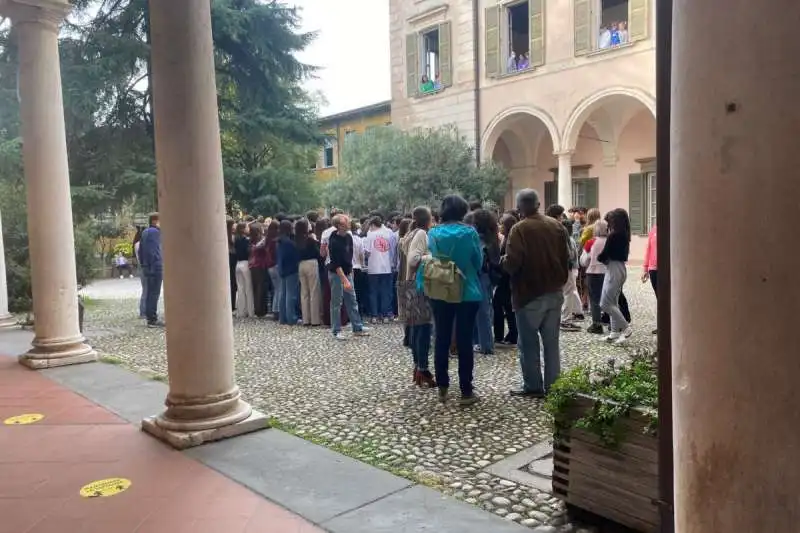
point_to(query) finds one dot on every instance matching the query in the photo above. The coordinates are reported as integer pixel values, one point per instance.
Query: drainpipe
(666, 489)
(477, 73)
(338, 148)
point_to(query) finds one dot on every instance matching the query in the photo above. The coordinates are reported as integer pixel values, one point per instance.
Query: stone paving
(357, 398)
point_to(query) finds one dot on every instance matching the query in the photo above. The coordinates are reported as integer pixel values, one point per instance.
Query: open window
(514, 37)
(428, 60)
(327, 153)
(608, 24)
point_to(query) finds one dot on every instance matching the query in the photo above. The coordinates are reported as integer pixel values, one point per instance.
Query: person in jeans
(152, 268)
(595, 273)
(537, 261)
(485, 224)
(380, 248)
(271, 246)
(340, 277)
(459, 243)
(614, 256)
(288, 269)
(137, 239)
(310, 290)
(412, 249)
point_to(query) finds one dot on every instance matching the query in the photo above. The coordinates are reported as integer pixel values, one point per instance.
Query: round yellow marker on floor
(21, 420)
(105, 487)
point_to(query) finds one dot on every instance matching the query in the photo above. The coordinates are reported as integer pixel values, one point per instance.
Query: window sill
(325, 168)
(610, 49)
(515, 73)
(429, 93)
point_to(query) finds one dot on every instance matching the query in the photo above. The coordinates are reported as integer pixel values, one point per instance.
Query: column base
(59, 352)
(189, 438)
(8, 322)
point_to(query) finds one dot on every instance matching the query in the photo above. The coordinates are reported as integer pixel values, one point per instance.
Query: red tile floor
(43, 466)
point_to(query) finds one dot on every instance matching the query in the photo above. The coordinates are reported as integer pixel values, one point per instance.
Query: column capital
(49, 13)
(564, 153)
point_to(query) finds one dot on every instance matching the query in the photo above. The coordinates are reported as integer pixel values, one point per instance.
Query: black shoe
(655, 332)
(578, 316)
(442, 394)
(596, 329)
(569, 326)
(526, 394)
(156, 324)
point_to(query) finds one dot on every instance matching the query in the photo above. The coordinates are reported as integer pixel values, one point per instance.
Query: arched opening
(522, 141)
(613, 140)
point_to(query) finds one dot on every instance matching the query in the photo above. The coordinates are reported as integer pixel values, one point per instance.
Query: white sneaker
(363, 332)
(612, 336)
(339, 336)
(623, 337)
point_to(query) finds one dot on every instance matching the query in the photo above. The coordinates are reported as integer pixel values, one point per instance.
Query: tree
(390, 169)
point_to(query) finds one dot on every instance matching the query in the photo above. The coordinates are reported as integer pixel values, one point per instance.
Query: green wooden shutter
(592, 186)
(550, 194)
(412, 64)
(583, 29)
(445, 55)
(493, 58)
(638, 19)
(536, 8)
(637, 205)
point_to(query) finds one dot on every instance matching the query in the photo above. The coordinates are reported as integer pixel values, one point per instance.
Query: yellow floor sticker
(21, 420)
(105, 487)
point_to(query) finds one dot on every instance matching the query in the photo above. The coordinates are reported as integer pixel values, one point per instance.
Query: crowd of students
(461, 278)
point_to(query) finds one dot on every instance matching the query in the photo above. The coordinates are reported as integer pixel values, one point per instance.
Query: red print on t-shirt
(381, 244)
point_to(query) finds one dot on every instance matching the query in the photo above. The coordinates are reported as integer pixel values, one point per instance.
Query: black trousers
(654, 281)
(503, 312)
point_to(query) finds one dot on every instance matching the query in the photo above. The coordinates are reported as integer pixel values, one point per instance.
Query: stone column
(58, 340)
(204, 402)
(6, 319)
(736, 361)
(565, 178)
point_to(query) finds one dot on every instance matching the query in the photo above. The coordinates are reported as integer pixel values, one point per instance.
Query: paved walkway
(44, 465)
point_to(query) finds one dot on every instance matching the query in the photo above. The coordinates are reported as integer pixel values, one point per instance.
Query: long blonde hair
(593, 215)
(601, 228)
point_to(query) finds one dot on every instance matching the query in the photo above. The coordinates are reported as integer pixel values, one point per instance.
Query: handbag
(413, 306)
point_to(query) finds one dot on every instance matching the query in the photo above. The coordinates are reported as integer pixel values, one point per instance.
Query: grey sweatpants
(616, 274)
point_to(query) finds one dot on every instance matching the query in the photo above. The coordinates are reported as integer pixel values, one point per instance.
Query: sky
(352, 51)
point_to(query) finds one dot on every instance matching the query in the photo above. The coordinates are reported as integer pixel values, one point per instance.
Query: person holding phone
(340, 275)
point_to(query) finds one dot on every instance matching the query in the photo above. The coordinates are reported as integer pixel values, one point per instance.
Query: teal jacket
(459, 243)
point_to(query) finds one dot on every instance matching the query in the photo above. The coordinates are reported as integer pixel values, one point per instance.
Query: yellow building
(337, 127)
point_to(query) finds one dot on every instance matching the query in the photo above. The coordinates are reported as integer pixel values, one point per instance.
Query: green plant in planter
(616, 391)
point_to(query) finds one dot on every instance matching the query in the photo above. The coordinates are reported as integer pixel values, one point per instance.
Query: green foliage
(387, 168)
(125, 248)
(616, 390)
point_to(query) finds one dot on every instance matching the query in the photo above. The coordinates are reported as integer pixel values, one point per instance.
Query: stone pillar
(565, 178)
(58, 340)
(204, 402)
(6, 319)
(736, 361)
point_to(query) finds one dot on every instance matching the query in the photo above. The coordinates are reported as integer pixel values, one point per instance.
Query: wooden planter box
(620, 484)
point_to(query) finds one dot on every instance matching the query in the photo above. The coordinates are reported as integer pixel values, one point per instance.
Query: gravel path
(357, 397)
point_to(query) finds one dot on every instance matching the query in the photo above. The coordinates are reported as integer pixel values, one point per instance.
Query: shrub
(617, 390)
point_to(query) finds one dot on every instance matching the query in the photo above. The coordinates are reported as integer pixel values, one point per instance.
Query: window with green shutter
(492, 27)
(412, 64)
(444, 75)
(637, 203)
(609, 24)
(536, 58)
(550, 194)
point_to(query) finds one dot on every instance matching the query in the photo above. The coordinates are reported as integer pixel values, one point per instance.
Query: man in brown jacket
(537, 260)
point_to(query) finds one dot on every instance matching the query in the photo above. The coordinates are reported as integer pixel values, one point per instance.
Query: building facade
(561, 93)
(338, 127)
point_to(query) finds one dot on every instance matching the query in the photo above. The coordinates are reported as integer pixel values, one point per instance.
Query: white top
(358, 252)
(378, 246)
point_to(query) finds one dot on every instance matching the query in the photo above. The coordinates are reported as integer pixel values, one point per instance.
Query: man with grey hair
(340, 277)
(537, 261)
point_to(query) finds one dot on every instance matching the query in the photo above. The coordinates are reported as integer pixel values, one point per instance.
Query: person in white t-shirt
(379, 246)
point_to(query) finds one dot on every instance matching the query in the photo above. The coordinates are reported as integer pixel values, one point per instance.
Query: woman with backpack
(451, 279)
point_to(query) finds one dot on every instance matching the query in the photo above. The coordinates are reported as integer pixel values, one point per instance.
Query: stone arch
(588, 106)
(500, 124)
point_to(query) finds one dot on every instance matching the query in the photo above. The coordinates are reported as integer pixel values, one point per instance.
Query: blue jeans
(289, 296)
(153, 284)
(419, 338)
(542, 316)
(445, 317)
(339, 296)
(275, 278)
(380, 295)
(482, 335)
(143, 299)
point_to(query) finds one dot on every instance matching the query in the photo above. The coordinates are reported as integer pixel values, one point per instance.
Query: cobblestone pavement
(357, 397)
